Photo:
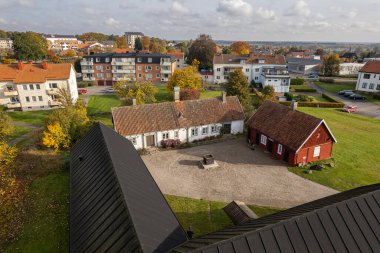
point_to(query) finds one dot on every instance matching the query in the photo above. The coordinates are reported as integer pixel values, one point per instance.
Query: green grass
(47, 229)
(304, 86)
(336, 87)
(210, 94)
(205, 216)
(356, 154)
(36, 118)
(19, 131)
(319, 99)
(106, 119)
(102, 104)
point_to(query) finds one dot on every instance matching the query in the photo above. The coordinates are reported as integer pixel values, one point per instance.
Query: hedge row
(329, 98)
(297, 81)
(326, 80)
(305, 90)
(315, 104)
(376, 95)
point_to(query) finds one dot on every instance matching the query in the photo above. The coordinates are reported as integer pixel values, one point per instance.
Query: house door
(257, 138)
(286, 156)
(270, 146)
(150, 141)
(227, 128)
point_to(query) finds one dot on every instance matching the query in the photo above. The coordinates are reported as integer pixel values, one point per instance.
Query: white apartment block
(131, 38)
(369, 77)
(6, 43)
(61, 42)
(35, 86)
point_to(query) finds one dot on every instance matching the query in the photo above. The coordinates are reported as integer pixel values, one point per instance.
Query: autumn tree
(6, 125)
(237, 85)
(331, 65)
(69, 53)
(240, 47)
(319, 51)
(54, 137)
(145, 41)
(143, 92)
(138, 45)
(92, 36)
(188, 78)
(29, 46)
(203, 49)
(121, 42)
(269, 93)
(226, 50)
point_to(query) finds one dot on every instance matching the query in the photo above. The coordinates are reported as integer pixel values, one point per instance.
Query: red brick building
(290, 135)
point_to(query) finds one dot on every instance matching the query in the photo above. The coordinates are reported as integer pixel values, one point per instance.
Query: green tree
(92, 36)
(138, 44)
(331, 65)
(143, 92)
(269, 93)
(226, 50)
(203, 49)
(188, 78)
(77, 66)
(237, 85)
(6, 125)
(29, 46)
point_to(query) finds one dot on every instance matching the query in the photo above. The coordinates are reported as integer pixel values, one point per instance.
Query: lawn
(106, 119)
(164, 96)
(304, 86)
(356, 154)
(102, 104)
(36, 118)
(19, 131)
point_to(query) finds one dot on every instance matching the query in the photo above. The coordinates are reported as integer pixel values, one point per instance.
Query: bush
(189, 94)
(329, 98)
(170, 143)
(327, 80)
(316, 104)
(376, 96)
(297, 81)
(289, 96)
(305, 90)
(303, 98)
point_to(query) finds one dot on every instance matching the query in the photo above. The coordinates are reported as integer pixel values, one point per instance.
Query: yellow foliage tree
(143, 92)
(240, 47)
(188, 78)
(55, 138)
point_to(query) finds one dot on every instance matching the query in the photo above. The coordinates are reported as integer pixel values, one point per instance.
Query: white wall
(350, 68)
(237, 127)
(280, 85)
(374, 79)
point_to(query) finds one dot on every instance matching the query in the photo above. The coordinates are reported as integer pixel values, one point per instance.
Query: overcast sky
(279, 20)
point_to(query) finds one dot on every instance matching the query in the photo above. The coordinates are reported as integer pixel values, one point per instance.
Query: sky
(253, 20)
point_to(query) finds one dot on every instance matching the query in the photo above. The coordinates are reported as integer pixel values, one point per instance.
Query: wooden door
(150, 141)
(270, 146)
(286, 156)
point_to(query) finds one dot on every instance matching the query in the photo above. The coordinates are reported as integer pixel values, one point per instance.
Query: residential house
(187, 121)
(61, 42)
(106, 69)
(179, 57)
(289, 135)
(131, 38)
(350, 68)
(207, 76)
(304, 66)
(6, 43)
(349, 57)
(35, 86)
(116, 206)
(262, 69)
(369, 77)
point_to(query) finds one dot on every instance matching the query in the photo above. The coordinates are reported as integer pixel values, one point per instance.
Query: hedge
(315, 104)
(376, 95)
(326, 80)
(305, 90)
(297, 81)
(329, 98)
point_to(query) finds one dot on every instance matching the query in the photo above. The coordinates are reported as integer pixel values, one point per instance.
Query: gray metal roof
(115, 204)
(303, 61)
(345, 222)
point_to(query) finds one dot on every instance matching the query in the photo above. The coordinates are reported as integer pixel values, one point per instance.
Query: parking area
(247, 175)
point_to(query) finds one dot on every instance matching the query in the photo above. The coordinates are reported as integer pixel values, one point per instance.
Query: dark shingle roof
(250, 59)
(345, 222)
(115, 204)
(148, 118)
(304, 61)
(292, 128)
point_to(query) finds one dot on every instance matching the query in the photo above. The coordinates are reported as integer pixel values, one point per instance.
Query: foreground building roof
(166, 116)
(249, 59)
(371, 67)
(115, 205)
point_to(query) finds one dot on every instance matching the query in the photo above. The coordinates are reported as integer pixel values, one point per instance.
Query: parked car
(82, 91)
(348, 93)
(109, 90)
(357, 97)
(313, 76)
(344, 91)
(350, 108)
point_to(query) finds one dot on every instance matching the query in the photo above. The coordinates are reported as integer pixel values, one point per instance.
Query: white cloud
(111, 22)
(337, 10)
(300, 8)
(179, 8)
(127, 4)
(25, 2)
(235, 7)
(266, 14)
(3, 21)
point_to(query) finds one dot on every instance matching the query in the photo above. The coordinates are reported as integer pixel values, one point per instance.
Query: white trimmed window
(263, 140)
(364, 86)
(175, 134)
(371, 86)
(165, 136)
(214, 129)
(139, 67)
(317, 151)
(31, 87)
(133, 140)
(40, 98)
(25, 87)
(204, 130)
(34, 98)
(97, 59)
(378, 87)
(279, 149)
(194, 132)
(38, 87)
(27, 99)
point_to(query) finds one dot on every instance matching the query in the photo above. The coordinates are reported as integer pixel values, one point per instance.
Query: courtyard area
(251, 176)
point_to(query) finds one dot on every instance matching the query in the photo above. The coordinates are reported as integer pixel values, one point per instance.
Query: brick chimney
(44, 65)
(176, 94)
(20, 65)
(224, 97)
(294, 105)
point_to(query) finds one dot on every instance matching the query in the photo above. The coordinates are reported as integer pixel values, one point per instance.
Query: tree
(237, 85)
(29, 46)
(319, 51)
(188, 77)
(269, 93)
(145, 41)
(189, 94)
(203, 49)
(92, 36)
(6, 125)
(240, 47)
(70, 53)
(54, 137)
(138, 45)
(226, 50)
(143, 92)
(78, 66)
(331, 65)
(121, 42)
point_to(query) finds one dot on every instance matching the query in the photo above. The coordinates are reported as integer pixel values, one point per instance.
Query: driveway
(246, 175)
(96, 90)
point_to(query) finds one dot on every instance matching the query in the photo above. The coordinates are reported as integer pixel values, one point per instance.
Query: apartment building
(35, 86)
(179, 57)
(61, 42)
(369, 77)
(6, 43)
(262, 69)
(105, 69)
(131, 37)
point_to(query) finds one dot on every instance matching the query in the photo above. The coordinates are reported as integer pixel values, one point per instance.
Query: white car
(109, 90)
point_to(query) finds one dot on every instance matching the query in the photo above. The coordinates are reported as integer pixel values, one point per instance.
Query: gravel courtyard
(246, 175)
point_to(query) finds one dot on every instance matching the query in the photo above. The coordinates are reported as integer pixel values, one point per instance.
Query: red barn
(290, 135)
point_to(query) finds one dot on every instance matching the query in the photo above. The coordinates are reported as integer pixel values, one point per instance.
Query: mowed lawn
(36, 118)
(356, 154)
(102, 104)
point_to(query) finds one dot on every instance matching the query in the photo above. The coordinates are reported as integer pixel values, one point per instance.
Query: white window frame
(263, 139)
(150, 60)
(133, 140)
(97, 59)
(165, 136)
(176, 134)
(34, 98)
(214, 129)
(25, 87)
(31, 87)
(317, 151)
(38, 87)
(40, 98)
(204, 130)
(279, 149)
(194, 131)
(27, 99)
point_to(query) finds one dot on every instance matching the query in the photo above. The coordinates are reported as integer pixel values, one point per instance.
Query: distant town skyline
(251, 20)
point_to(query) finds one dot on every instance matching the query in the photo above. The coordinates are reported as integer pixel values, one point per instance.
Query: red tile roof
(148, 118)
(279, 122)
(371, 67)
(34, 73)
(177, 55)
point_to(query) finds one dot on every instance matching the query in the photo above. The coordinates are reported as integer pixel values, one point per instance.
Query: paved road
(364, 108)
(96, 90)
(245, 175)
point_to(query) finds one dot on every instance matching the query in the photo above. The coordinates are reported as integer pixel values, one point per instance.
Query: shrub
(329, 98)
(305, 90)
(303, 98)
(297, 81)
(376, 95)
(316, 104)
(170, 143)
(82, 84)
(289, 96)
(327, 80)
(189, 94)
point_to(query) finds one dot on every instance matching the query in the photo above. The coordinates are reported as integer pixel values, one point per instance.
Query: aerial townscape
(189, 126)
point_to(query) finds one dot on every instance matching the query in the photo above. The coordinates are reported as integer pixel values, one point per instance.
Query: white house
(350, 68)
(207, 76)
(369, 77)
(147, 125)
(6, 43)
(35, 86)
(262, 69)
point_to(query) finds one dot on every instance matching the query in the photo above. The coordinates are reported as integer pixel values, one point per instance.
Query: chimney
(224, 97)
(294, 105)
(44, 65)
(134, 102)
(20, 65)
(176, 94)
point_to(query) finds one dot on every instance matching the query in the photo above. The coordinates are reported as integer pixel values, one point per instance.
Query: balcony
(53, 91)
(10, 92)
(130, 79)
(88, 71)
(54, 103)
(166, 63)
(166, 71)
(90, 63)
(275, 73)
(124, 71)
(122, 63)
(13, 105)
(86, 78)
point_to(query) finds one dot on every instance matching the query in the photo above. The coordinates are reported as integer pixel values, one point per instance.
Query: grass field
(356, 154)
(102, 104)
(18, 131)
(36, 118)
